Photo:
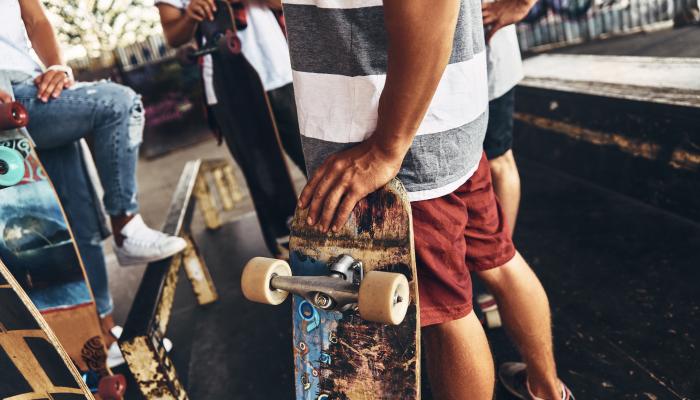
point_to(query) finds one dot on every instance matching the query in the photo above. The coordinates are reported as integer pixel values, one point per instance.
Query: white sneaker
(142, 244)
(114, 354)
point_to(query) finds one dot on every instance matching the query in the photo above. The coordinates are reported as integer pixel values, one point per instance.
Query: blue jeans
(113, 114)
(67, 170)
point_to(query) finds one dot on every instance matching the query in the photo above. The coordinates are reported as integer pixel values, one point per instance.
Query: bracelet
(62, 68)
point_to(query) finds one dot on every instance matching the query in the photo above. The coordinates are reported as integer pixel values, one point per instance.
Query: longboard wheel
(112, 387)
(11, 167)
(233, 42)
(384, 297)
(493, 319)
(13, 115)
(257, 278)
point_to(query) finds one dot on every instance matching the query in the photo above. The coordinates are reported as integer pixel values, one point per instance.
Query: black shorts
(499, 133)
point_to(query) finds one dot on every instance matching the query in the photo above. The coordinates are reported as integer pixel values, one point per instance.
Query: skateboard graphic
(33, 363)
(355, 299)
(37, 246)
(249, 121)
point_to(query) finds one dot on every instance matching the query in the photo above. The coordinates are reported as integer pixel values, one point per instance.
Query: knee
(125, 107)
(504, 163)
(501, 278)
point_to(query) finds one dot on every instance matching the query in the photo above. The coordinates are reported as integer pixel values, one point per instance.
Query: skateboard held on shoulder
(355, 308)
(38, 248)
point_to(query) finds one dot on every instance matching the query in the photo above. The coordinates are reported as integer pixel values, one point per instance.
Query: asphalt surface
(620, 274)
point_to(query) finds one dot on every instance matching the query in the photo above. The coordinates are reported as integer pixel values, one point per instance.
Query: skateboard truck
(379, 296)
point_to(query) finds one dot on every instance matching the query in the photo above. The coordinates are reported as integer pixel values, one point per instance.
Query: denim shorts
(499, 133)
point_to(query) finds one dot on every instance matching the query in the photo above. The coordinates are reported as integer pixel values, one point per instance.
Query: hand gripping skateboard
(355, 302)
(37, 246)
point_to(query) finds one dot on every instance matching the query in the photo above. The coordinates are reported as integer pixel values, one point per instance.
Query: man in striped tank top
(399, 88)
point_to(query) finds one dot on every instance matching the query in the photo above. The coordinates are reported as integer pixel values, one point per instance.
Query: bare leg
(506, 185)
(460, 365)
(524, 308)
(119, 222)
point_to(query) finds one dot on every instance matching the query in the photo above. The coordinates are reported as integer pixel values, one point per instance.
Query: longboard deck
(37, 246)
(339, 355)
(32, 361)
(250, 122)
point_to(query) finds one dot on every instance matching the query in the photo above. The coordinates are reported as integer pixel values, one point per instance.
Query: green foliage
(101, 25)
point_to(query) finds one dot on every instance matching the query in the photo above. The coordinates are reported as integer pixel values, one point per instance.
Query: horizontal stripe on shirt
(355, 41)
(433, 162)
(342, 109)
(337, 3)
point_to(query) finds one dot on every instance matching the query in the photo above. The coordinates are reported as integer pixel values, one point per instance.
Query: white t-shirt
(264, 46)
(15, 53)
(505, 67)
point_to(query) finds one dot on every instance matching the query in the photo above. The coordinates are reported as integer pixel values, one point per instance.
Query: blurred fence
(562, 22)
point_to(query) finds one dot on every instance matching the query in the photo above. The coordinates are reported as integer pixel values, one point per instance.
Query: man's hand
(199, 10)
(501, 13)
(344, 179)
(50, 84)
(5, 97)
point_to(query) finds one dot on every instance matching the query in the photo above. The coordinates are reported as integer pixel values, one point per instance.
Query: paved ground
(620, 275)
(681, 42)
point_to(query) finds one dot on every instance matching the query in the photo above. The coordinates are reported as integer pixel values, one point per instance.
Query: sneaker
(142, 244)
(114, 354)
(513, 376)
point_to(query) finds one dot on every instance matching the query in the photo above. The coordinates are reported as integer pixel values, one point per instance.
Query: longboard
(37, 246)
(338, 352)
(32, 361)
(250, 122)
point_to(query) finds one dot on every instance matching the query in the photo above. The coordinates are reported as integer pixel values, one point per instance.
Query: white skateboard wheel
(493, 319)
(384, 297)
(257, 277)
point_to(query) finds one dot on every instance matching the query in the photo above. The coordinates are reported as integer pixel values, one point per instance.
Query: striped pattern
(339, 56)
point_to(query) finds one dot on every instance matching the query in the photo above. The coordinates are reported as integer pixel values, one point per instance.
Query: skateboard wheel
(11, 167)
(489, 308)
(257, 278)
(13, 115)
(384, 297)
(112, 387)
(233, 43)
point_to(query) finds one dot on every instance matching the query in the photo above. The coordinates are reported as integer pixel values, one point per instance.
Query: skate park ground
(621, 276)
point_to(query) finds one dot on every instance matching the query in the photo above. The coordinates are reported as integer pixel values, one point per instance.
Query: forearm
(178, 27)
(44, 42)
(421, 35)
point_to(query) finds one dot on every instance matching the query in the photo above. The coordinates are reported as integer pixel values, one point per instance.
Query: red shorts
(455, 234)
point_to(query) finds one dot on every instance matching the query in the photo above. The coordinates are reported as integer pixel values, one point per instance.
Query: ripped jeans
(112, 114)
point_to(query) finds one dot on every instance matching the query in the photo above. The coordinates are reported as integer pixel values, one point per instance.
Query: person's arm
(180, 25)
(40, 32)
(501, 13)
(421, 34)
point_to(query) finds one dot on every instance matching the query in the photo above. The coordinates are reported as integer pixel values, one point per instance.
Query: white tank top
(15, 53)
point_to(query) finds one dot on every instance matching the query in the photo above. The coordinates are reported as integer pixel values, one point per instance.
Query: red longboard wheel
(13, 115)
(233, 42)
(112, 387)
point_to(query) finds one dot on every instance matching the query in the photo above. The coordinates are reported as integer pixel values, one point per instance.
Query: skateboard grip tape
(13, 115)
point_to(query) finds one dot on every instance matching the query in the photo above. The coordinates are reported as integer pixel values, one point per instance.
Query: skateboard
(355, 302)
(32, 361)
(249, 121)
(486, 308)
(37, 246)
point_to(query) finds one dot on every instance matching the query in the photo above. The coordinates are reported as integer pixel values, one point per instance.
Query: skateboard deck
(37, 246)
(248, 120)
(339, 355)
(33, 363)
